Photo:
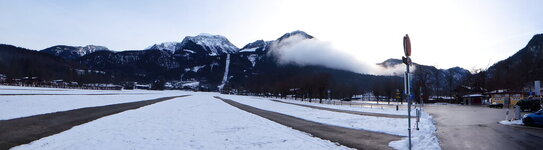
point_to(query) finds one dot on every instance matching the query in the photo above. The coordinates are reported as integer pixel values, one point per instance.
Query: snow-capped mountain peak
(72, 52)
(212, 44)
(91, 49)
(166, 46)
(256, 46)
(297, 32)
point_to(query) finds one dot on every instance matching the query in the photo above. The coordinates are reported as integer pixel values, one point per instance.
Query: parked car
(533, 119)
(496, 105)
(530, 104)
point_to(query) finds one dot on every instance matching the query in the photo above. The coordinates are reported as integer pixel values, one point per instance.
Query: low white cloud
(302, 51)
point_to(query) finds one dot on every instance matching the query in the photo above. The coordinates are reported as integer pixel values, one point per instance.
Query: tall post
(537, 88)
(408, 94)
(407, 62)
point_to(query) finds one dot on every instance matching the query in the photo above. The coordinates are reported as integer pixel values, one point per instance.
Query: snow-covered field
(394, 126)
(425, 138)
(39, 90)
(196, 122)
(28, 105)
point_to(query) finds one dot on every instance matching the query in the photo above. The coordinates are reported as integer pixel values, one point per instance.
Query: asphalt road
(359, 139)
(477, 127)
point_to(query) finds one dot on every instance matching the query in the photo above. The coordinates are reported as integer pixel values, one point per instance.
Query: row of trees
(315, 83)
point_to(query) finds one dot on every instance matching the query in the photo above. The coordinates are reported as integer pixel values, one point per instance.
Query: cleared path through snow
(24, 130)
(359, 139)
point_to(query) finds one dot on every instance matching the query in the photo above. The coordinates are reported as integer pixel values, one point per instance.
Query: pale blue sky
(462, 33)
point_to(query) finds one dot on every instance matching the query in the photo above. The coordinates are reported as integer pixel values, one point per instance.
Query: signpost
(407, 91)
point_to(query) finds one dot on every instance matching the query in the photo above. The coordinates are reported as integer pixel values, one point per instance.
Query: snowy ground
(379, 124)
(425, 138)
(514, 122)
(28, 105)
(39, 90)
(194, 122)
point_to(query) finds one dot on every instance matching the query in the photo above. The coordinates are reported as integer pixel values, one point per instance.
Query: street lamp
(407, 79)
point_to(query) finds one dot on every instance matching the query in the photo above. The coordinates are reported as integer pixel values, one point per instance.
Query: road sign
(407, 45)
(407, 79)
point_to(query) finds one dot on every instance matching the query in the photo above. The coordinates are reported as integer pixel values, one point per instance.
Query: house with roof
(474, 99)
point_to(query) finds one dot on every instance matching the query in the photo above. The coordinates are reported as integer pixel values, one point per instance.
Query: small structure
(473, 99)
(143, 86)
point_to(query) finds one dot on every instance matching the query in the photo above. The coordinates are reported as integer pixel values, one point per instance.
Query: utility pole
(407, 79)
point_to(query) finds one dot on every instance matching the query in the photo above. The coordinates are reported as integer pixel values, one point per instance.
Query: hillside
(519, 70)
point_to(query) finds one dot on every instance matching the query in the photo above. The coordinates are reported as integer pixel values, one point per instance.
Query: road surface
(477, 127)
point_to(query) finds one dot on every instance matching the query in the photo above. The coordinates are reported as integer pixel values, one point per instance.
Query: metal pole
(407, 61)
(408, 89)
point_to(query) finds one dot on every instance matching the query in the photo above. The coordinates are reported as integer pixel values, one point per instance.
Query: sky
(466, 33)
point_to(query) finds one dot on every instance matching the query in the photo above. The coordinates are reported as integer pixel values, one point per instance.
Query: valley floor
(198, 121)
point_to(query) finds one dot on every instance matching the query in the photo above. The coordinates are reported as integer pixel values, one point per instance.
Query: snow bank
(194, 122)
(423, 139)
(514, 122)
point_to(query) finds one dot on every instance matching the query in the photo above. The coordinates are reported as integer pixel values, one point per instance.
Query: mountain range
(203, 60)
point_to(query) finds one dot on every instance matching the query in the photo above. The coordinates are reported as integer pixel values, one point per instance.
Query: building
(507, 98)
(473, 99)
